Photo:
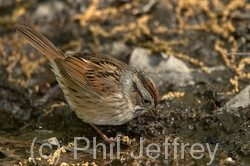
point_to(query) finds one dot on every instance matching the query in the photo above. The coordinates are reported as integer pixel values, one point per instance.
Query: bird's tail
(41, 43)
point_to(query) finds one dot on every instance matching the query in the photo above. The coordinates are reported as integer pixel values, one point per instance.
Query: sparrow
(99, 88)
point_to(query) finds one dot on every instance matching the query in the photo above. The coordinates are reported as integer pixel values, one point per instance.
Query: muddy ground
(204, 35)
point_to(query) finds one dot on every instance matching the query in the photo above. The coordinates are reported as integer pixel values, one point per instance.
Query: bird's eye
(146, 102)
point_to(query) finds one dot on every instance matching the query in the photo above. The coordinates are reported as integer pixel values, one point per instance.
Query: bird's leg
(105, 138)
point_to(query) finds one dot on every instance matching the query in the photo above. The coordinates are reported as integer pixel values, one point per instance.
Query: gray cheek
(141, 111)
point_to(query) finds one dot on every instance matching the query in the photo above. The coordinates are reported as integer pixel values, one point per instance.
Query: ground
(211, 37)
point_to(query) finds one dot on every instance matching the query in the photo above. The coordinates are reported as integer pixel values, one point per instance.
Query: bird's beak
(153, 111)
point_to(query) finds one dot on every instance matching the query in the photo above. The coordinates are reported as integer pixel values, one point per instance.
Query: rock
(162, 68)
(120, 51)
(48, 10)
(230, 119)
(229, 114)
(117, 50)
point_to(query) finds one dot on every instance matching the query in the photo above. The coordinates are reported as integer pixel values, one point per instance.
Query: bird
(100, 89)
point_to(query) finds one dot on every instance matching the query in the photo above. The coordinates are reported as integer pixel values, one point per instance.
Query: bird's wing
(97, 74)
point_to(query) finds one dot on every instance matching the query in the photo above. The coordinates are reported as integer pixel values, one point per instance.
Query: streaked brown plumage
(100, 89)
